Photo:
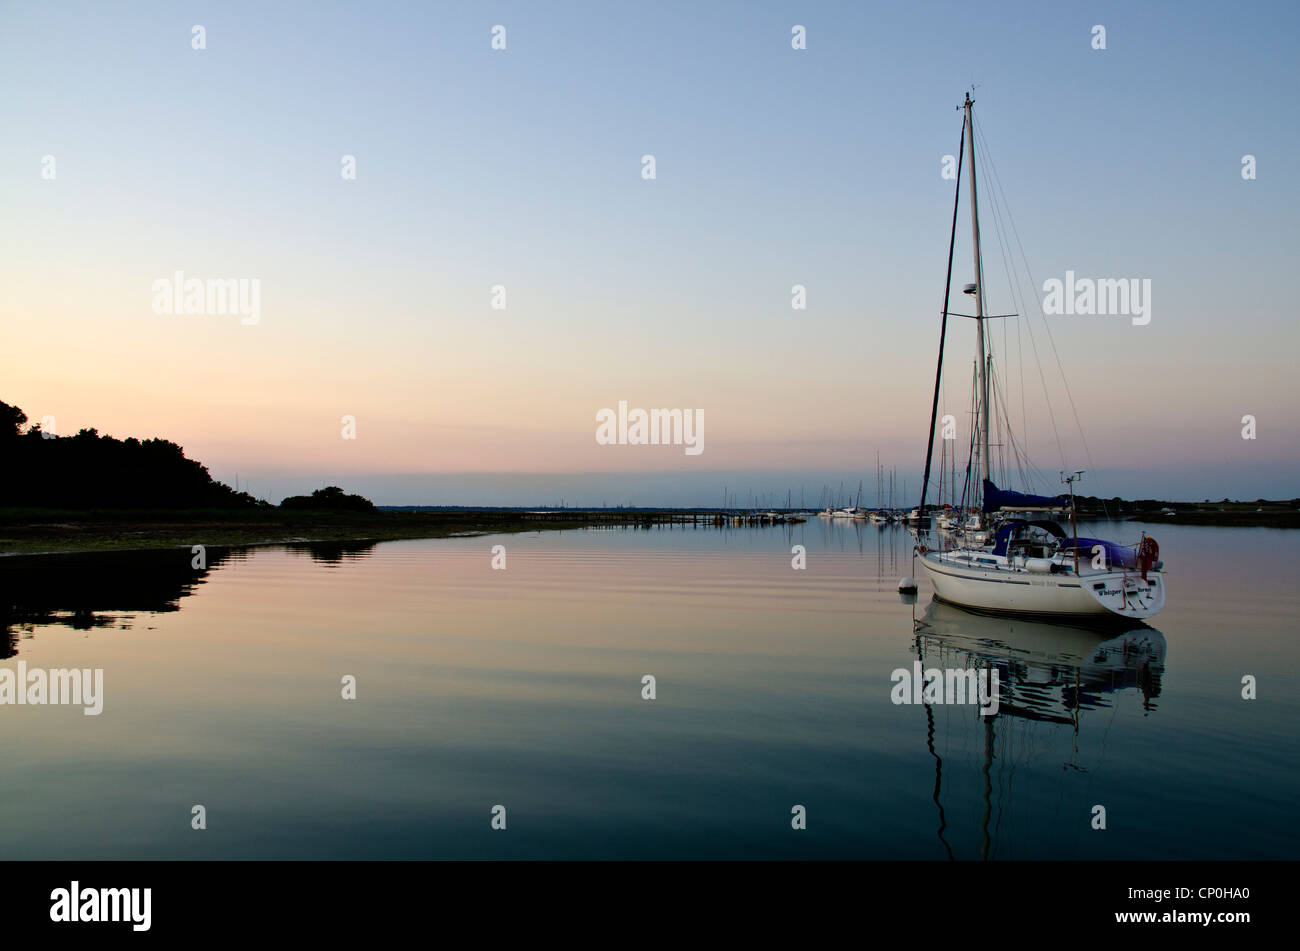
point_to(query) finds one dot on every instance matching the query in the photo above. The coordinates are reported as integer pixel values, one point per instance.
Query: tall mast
(979, 299)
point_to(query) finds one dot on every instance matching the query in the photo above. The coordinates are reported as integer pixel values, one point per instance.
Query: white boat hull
(1014, 591)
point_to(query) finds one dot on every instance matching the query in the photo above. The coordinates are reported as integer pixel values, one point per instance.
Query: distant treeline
(90, 471)
(331, 498)
(558, 509)
(1091, 503)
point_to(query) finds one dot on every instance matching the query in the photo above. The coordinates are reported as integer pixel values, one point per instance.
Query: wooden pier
(640, 517)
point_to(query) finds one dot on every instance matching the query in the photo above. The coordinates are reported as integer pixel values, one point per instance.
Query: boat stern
(1127, 593)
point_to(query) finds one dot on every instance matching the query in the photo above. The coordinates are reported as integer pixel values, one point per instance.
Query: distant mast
(981, 360)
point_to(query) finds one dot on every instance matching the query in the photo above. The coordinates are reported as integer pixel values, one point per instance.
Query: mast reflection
(1048, 673)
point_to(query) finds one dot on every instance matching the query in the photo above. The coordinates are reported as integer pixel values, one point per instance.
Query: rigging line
(1006, 441)
(1083, 438)
(997, 421)
(998, 417)
(1019, 455)
(1018, 304)
(943, 327)
(944, 402)
(1020, 366)
(1006, 450)
(1033, 341)
(974, 402)
(1008, 269)
(1020, 246)
(1014, 452)
(1005, 348)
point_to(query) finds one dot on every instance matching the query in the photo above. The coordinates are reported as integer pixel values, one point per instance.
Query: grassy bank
(1231, 519)
(40, 531)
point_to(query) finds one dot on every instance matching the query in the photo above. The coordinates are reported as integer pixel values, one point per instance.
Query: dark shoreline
(41, 532)
(26, 532)
(1275, 519)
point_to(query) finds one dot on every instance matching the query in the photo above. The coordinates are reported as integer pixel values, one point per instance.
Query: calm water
(522, 687)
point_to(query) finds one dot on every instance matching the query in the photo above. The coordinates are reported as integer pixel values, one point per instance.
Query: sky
(127, 155)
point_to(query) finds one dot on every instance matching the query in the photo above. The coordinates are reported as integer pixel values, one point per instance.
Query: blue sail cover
(1117, 555)
(995, 498)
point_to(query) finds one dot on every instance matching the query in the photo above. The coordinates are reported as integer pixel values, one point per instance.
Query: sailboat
(858, 511)
(1026, 566)
(878, 517)
(894, 514)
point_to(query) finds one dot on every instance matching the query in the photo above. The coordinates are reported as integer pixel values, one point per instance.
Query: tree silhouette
(90, 471)
(11, 421)
(329, 498)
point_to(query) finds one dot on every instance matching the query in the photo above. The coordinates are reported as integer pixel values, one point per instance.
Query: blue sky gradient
(522, 167)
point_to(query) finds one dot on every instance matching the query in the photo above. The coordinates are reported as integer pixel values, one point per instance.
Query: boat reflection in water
(1050, 678)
